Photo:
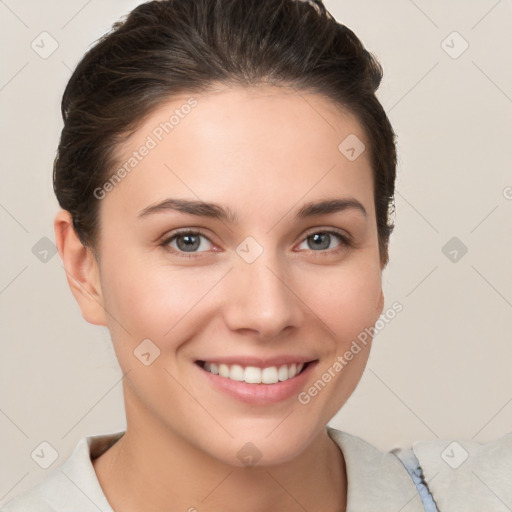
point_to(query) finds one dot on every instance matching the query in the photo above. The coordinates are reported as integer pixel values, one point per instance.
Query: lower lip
(260, 394)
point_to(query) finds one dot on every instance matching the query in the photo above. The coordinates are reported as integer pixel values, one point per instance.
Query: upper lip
(259, 362)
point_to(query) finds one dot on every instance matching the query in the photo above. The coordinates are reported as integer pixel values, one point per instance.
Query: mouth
(255, 374)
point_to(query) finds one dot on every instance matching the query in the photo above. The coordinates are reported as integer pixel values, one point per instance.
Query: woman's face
(256, 285)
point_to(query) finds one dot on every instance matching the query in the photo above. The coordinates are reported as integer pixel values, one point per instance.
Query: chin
(264, 448)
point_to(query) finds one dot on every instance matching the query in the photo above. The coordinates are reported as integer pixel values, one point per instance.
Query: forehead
(262, 145)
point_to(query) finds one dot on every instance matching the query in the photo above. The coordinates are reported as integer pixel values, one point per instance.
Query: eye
(187, 241)
(320, 241)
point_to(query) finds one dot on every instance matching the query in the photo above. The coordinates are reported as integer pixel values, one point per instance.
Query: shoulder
(445, 474)
(377, 480)
(71, 486)
(465, 473)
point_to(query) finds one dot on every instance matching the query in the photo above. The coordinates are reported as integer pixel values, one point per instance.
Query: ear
(380, 304)
(82, 271)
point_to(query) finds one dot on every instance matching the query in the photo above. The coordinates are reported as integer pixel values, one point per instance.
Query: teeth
(269, 375)
(236, 373)
(282, 373)
(223, 370)
(254, 375)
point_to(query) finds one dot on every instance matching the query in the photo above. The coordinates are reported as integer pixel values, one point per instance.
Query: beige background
(440, 369)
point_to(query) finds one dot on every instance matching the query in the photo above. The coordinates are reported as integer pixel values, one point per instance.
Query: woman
(226, 176)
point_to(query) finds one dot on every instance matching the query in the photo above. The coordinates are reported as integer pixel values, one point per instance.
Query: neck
(153, 468)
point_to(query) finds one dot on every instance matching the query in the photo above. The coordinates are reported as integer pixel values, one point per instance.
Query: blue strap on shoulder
(412, 464)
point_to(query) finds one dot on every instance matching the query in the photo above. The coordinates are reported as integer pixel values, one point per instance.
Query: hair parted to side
(165, 48)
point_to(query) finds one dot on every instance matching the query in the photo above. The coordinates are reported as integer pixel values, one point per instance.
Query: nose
(261, 298)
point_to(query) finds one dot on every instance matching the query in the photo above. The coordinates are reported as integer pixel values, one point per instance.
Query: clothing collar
(376, 480)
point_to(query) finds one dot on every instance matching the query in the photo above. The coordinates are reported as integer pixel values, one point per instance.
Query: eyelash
(346, 242)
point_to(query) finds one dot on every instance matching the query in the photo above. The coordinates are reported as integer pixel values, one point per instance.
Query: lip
(258, 394)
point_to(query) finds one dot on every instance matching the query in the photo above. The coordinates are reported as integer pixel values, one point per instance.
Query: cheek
(346, 298)
(158, 302)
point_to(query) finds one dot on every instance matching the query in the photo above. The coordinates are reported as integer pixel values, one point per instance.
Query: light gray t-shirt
(377, 481)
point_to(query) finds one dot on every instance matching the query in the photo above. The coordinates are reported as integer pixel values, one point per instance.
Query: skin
(263, 152)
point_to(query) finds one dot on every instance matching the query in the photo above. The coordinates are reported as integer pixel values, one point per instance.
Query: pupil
(190, 243)
(325, 237)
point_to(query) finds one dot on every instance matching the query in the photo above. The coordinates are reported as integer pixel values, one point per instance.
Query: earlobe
(81, 269)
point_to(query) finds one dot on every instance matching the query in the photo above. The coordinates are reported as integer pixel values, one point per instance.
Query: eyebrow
(216, 211)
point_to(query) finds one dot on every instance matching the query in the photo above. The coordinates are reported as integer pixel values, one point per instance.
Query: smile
(254, 374)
